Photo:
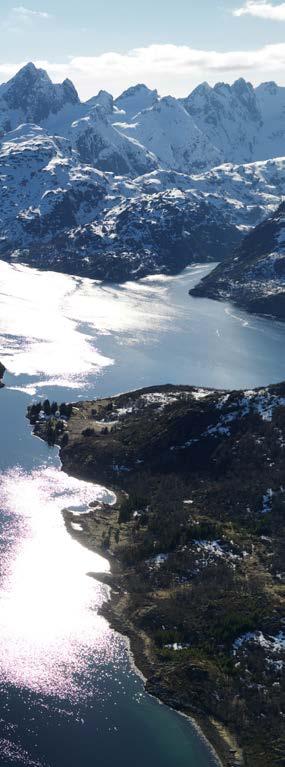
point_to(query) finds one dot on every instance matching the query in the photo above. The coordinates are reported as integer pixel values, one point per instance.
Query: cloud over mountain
(174, 68)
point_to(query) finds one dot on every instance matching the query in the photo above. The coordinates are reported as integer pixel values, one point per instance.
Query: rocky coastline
(253, 278)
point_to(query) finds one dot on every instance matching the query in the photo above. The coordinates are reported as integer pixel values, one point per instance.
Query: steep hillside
(254, 277)
(167, 130)
(161, 233)
(100, 144)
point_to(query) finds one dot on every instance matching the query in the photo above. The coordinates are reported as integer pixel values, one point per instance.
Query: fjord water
(69, 695)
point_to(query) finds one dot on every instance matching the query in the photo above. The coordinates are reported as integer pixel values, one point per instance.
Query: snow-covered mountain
(100, 144)
(133, 101)
(244, 123)
(32, 97)
(146, 235)
(168, 131)
(126, 187)
(254, 277)
(44, 187)
(236, 124)
(246, 194)
(59, 211)
(228, 116)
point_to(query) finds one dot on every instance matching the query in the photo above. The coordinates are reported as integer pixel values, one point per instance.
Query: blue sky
(169, 45)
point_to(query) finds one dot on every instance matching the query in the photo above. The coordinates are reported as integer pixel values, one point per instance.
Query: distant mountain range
(121, 188)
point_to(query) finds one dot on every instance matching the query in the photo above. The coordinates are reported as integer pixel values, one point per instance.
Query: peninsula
(196, 546)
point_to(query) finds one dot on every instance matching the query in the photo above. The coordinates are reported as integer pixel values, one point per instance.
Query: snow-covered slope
(61, 213)
(246, 194)
(145, 235)
(32, 97)
(228, 116)
(254, 277)
(271, 103)
(104, 99)
(138, 184)
(167, 130)
(59, 210)
(100, 144)
(245, 123)
(44, 188)
(134, 100)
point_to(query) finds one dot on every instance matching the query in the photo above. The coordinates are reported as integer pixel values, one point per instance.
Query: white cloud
(176, 59)
(262, 10)
(27, 13)
(170, 68)
(20, 19)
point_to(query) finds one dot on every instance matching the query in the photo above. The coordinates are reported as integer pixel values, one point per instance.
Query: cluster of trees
(89, 432)
(50, 408)
(55, 433)
(131, 504)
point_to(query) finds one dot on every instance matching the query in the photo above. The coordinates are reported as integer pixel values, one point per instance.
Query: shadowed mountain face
(142, 184)
(254, 277)
(32, 96)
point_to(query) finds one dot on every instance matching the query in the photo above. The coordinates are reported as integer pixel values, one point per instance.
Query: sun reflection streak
(49, 627)
(50, 323)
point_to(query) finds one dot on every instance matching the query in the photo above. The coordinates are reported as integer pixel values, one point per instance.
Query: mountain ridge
(119, 188)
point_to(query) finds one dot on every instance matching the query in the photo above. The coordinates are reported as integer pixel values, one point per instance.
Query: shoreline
(220, 741)
(167, 593)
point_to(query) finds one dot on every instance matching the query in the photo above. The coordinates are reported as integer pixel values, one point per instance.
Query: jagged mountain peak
(167, 101)
(241, 85)
(270, 87)
(30, 70)
(245, 92)
(202, 89)
(103, 98)
(99, 143)
(70, 90)
(27, 77)
(134, 100)
(134, 89)
(162, 105)
(222, 89)
(32, 96)
(167, 129)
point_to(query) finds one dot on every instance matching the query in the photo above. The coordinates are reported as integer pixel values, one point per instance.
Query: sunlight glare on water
(46, 627)
(68, 693)
(35, 334)
(48, 322)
